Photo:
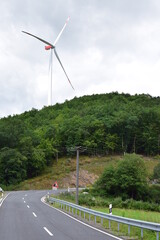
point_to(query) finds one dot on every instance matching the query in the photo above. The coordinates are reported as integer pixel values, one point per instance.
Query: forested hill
(106, 123)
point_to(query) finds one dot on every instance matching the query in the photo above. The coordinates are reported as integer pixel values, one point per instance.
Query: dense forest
(104, 124)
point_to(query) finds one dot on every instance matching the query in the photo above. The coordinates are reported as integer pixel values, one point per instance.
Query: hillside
(64, 172)
(104, 124)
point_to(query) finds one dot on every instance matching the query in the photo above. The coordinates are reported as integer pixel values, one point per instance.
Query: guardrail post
(72, 210)
(157, 235)
(69, 209)
(80, 213)
(84, 215)
(129, 229)
(109, 224)
(101, 221)
(95, 220)
(141, 233)
(89, 217)
(118, 227)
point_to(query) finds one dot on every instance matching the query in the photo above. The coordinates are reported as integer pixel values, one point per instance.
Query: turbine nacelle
(48, 47)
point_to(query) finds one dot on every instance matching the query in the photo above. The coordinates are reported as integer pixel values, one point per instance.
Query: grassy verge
(134, 214)
(128, 213)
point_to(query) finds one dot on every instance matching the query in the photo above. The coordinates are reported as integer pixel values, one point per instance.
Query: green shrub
(117, 202)
(154, 193)
(128, 179)
(86, 200)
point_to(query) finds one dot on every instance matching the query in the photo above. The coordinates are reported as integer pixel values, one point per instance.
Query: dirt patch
(85, 179)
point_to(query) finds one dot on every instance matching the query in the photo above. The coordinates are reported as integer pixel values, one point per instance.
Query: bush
(106, 184)
(127, 180)
(154, 193)
(117, 202)
(87, 200)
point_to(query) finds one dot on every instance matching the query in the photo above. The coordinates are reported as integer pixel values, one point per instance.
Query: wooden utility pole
(78, 149)
(77, 175)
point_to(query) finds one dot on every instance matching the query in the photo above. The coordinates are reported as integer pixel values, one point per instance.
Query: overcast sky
(107, 46)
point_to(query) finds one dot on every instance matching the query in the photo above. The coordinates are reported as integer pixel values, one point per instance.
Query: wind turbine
(52, 47)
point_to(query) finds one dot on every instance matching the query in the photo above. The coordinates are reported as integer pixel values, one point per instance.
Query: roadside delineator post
(110, 209)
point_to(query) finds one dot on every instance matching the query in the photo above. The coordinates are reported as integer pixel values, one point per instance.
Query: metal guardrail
(128, 221)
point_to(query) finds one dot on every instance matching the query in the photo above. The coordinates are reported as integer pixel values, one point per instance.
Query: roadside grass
(56, 172)
(113, 226)
(97, 165)
(134, 214)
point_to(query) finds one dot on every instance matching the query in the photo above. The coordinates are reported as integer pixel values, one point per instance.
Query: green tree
(12, 166)
(131, 176)
(128, 179)
(37, 163)
(111, 142)
(106, 184)
(156, 171)
(47, 146)
(36, 160)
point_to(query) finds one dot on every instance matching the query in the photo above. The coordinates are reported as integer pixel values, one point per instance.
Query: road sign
(55, 186)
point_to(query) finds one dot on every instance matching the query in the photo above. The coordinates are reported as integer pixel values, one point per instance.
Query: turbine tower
(52, 47)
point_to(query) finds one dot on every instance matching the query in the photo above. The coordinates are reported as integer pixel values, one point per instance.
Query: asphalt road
(24, 217)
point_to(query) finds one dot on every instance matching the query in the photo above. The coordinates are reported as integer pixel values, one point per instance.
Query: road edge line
(87, 225)
(4, 199)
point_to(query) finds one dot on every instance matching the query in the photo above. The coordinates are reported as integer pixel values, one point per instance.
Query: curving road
(24, 217)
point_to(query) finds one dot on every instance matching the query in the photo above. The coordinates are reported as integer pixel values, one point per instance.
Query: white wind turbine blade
(40, 39)
(62, 67)
(55, 42)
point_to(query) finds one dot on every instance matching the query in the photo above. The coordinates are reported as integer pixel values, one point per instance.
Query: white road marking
(23, 198)
(87, 225)
(48, 231)
(24, 201)
(28, 206)
(25, 195)
(4, 199)
(34, 214)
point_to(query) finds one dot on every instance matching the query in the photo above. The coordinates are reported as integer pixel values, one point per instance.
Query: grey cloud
(103, 44)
